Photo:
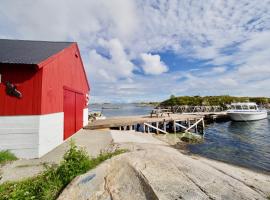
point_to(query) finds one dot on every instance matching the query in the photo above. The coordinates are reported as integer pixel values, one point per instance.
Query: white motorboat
(95, 115)
(246, 112)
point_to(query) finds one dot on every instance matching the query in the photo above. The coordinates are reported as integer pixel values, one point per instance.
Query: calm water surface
(113, 110)
(245, 144)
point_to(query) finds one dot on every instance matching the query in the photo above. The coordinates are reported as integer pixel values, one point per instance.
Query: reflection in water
(242, 143)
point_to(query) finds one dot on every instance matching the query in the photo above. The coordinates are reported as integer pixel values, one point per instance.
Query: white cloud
(232, 36)
(116, 65)
(219, 69)
(228, 82)
(152, 64)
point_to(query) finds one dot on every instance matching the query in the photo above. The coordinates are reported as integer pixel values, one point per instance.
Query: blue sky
(146, 50)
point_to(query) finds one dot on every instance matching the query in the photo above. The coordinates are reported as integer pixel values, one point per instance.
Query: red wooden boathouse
(43, 95)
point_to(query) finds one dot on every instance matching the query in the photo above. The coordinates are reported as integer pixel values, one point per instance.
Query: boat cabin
(244, 106)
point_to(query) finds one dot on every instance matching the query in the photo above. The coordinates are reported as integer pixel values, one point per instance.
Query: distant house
(43, 95)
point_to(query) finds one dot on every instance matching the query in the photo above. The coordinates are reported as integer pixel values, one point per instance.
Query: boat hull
(247, 116)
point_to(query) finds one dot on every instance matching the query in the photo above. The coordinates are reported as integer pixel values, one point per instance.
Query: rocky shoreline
(154, 170)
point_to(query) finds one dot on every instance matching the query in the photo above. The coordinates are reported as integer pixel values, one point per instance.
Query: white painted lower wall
(51, 132)
(31, 136)
(85, 116)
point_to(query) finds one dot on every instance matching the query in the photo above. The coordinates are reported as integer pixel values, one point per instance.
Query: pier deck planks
(132, 120)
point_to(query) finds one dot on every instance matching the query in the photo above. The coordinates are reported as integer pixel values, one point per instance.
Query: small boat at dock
(95, 115)
(246, 112)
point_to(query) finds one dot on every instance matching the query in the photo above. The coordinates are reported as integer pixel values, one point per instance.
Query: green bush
(6, 156)
(76, 161)
(52, 181)
(211, 100)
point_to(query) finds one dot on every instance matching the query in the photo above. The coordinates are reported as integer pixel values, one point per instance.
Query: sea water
(245, 144)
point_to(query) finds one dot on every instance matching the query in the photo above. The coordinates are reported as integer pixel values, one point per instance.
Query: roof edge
(38, 40)
(52, 57)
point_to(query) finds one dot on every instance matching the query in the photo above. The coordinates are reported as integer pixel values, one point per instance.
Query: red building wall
(42, 86)
(27, 78)
(65, 70)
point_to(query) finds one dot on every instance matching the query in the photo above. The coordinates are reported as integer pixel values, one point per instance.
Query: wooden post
(157, 127)
(203, 126)
(174, 126)
(193, 125)
(164, 126)
(143, 127)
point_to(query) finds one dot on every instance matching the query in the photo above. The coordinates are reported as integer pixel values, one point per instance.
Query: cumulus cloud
(152, 64)
(228, 40)
(115, 65)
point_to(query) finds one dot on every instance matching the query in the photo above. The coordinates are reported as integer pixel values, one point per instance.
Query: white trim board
(31, 136)
(85, 116)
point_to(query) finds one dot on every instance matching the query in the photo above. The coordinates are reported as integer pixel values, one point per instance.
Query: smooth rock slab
(161, 172)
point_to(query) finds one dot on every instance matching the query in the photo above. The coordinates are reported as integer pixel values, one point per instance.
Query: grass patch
(6, 156)
(49, 184)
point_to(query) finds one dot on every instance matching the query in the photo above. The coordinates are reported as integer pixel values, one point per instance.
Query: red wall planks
(28, 82)
(66, 70)
(43, 89)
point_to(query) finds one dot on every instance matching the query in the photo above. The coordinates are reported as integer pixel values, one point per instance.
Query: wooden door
(74, 103)
(69, 113)
(80, 103)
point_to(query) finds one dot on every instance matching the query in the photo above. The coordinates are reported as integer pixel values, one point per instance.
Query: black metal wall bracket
(11, 90)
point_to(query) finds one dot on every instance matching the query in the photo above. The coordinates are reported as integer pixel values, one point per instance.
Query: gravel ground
(93, 142)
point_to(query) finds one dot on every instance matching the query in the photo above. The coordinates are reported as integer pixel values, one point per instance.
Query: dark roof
(28, 52)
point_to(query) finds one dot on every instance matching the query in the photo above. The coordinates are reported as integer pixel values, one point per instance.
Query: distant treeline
(212, 100)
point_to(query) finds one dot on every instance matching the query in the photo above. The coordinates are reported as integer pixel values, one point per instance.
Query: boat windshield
(238, 107)
(245, 107)
(253, 107)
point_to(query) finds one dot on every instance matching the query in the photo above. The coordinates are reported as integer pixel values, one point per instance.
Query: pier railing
(194, 109)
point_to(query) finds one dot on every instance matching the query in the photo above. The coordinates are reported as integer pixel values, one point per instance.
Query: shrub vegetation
(211, 100)
(49, 184)
(6, 156)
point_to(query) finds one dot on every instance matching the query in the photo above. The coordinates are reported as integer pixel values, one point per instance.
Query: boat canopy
(244, 104)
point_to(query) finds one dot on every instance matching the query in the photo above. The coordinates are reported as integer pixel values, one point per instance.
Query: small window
(252, 107)
(238, 107)
(245, 107)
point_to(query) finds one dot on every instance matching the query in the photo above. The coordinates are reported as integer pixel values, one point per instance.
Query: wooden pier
(164, 124)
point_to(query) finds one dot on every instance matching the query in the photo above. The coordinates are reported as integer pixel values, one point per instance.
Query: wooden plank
(149, 125)
(126, 121)
(174, 127)
(180, 125)
(193, 125)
